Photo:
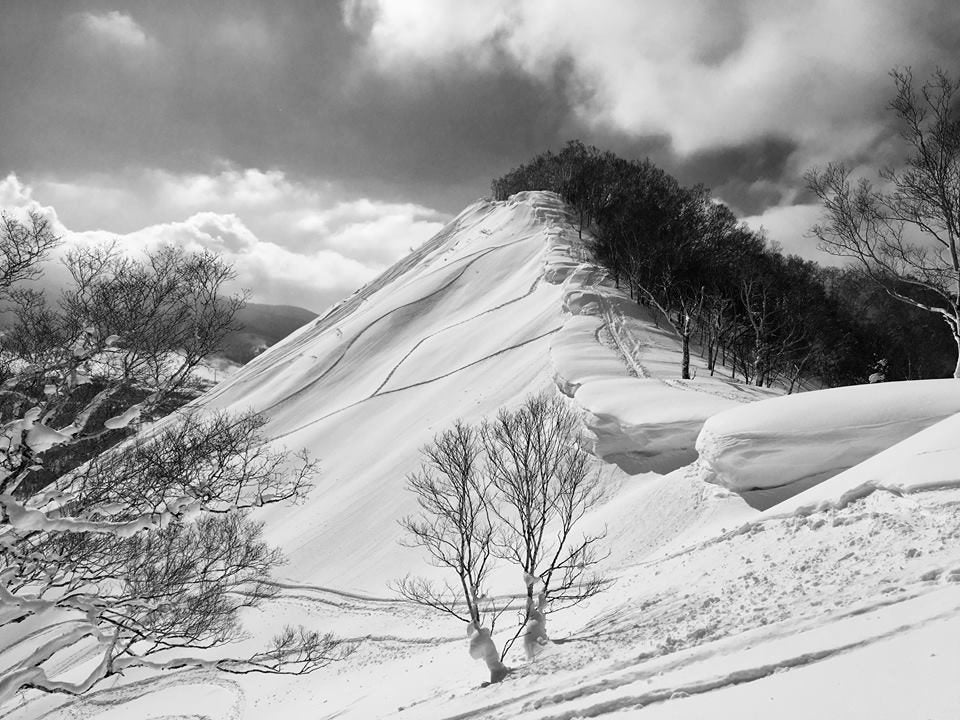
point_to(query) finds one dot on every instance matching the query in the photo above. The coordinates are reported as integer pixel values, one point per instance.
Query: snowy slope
(924, 462)
(813, 436)
(845, 603)
(476, 319)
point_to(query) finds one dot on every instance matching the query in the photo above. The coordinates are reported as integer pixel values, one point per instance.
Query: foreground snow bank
(784, 445)
(928, 460)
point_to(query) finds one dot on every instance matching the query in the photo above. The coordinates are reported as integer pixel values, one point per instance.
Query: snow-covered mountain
(262, 325)
(772, 564)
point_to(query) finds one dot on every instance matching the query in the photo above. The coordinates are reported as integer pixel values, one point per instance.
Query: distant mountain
(262, 326)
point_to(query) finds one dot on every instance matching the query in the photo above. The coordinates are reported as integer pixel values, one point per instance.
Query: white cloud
(16, 200)
(273, 273)
(14, 193)
(290, 242)
(706, 72)
(426, 29)
(789, 226)
(114, 28)
(373, 232)
(247, 38)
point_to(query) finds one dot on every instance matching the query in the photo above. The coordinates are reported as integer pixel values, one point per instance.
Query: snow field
(461, 332)
(842, 602)
(926, 461)
(772, 450)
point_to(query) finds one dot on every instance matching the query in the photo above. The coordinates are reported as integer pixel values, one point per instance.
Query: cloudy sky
(313, 142)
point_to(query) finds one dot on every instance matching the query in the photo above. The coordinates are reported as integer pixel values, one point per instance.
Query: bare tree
(906, 237)
(545, 484)
(516, 488)
(166, 313)
(145, 553)
(142, 556)
(121, 342)
(455, 528)
(22, 247)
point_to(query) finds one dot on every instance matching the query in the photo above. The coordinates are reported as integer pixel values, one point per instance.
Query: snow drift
(774, 449)
(622, 368)
(717, 609)
(927, 461)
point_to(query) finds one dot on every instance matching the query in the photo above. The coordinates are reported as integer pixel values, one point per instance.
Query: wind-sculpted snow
(843, 601)
(622, 369)
(458, 329)
(646, 424)
(772, 450)
(926, 461)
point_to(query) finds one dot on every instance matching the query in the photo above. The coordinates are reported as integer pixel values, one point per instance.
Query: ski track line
(617, 332)
(471, 364)
(351, 303)
(345, 308)
(417, 384)
(331, 591)
(699, 687)
(387, 314)
(101, 700)
(736, 677)
(616, 324)
(398, 600)
(610, 318)
(401, 641)
(422, 340)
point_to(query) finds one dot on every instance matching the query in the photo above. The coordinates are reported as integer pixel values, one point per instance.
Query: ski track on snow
(432, 335)
(739, 676)
(291, 350)
(421, 383)
(648, 616)
(346, 348)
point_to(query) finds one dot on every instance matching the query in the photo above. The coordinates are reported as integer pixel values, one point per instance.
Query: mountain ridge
(716, 607)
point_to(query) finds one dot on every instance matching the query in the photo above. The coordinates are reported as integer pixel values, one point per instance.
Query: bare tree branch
(905, 239)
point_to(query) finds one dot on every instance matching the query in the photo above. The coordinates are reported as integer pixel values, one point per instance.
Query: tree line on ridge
(764, 316)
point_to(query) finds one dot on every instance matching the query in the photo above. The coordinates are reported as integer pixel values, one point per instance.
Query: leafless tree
(22, 247)
(515, 488)
(121, 341)
(454, 526)
(905, 236)
(145, 553)
(545, 485)
(142, 556)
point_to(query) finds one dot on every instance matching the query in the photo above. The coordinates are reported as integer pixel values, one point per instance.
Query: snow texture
(843, 601)
(784, 445)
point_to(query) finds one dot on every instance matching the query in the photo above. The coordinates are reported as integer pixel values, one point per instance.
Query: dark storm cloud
(748, 93)
(242, 82)
(452, 129)
(745, 176)
(424, 101)
(257, 87)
